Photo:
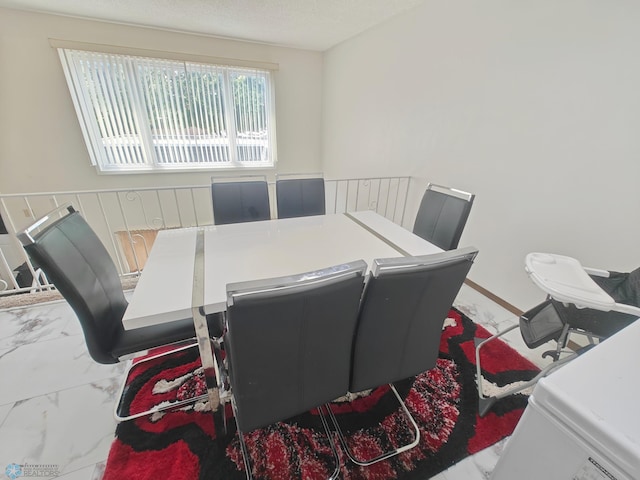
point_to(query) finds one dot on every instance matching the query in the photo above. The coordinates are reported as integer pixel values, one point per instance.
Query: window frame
(149, 160)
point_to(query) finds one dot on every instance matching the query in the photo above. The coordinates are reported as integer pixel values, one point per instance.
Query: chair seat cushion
(139, 339)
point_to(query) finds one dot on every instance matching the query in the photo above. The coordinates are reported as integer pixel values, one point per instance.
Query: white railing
(127, 220)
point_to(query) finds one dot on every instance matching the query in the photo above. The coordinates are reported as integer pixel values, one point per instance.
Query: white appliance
(583, 421)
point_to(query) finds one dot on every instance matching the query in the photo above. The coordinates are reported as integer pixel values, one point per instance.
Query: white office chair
(583, 301)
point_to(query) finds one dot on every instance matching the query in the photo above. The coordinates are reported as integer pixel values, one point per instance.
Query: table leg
(209, 365)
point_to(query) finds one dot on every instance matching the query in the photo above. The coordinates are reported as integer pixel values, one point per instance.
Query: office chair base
(384, 456)
(486, 403)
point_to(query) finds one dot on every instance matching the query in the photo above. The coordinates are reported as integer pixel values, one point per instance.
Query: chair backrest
(288, 342)
(77, 263)
(442, 215)
(405, 303)
(241, 200)
(300, 197)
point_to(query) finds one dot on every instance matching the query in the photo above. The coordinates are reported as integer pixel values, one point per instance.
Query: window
(150, 114)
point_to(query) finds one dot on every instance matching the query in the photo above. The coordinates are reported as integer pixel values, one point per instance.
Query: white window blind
(140, 114)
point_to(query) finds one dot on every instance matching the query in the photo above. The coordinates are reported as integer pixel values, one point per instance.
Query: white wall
(41, 145)
(534, 106)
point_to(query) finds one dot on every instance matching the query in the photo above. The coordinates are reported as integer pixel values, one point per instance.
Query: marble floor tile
(476, 467)
(464, 470)
(4, 412)
(72, 429)
(22, 326)
(86, 473)
(440, 476)
(485, 460)
(481, 309)
(48, 366)
(98, 470)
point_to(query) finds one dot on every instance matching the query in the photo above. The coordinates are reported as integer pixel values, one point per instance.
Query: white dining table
(256, 250)
(188, 269)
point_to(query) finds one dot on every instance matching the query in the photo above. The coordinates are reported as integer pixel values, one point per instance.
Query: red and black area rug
(183, 445)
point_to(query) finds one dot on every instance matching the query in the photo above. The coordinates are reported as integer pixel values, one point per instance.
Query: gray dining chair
(300, 195)
(74, 259)
(405, 303)
(288, 345)
(240, 199)
(442, 215)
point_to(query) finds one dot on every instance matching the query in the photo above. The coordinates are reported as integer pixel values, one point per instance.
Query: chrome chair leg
(384, 456)
(485, 403)
(118, 414)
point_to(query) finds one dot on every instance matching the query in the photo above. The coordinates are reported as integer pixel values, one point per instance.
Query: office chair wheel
(554, 354)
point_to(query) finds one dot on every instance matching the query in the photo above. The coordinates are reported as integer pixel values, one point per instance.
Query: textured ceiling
(308, 24)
